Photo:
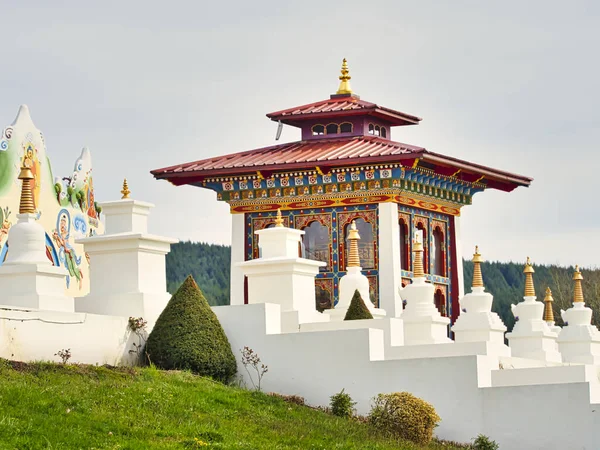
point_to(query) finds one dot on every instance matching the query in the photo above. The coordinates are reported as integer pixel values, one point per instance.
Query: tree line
(209, 264)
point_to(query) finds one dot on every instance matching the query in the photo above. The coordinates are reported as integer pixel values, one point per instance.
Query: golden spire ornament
(344, 80)
(418, 271)
(548, 300)
(26, 205)
(528, 271)
(578, 291)
(125, 191)
(353, 237)
(477, 260)
(279, 219)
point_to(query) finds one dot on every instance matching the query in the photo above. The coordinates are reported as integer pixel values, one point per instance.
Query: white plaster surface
(238, 235)
(579, 341)
(390, 274)
(517, 414)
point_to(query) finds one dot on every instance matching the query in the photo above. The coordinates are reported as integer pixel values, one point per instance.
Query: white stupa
(27, 277)
(423, 323)
(354, 280)
(549, 313)
(579, 340)
(531, 337)
(477, 322)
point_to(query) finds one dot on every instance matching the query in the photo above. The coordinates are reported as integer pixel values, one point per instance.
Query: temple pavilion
(346, 168)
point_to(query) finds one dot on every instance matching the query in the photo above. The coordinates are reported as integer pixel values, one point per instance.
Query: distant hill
(210, 266)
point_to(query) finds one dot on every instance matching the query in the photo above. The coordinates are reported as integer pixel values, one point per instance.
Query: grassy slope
(62, 407)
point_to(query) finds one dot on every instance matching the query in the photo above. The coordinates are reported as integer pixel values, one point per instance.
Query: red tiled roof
(346, 105)
(329, 153)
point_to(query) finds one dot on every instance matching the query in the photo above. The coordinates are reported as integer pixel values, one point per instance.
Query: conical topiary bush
(188, 335)
(357, 309)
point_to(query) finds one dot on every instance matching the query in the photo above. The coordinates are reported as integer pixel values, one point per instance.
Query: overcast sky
(514, 85)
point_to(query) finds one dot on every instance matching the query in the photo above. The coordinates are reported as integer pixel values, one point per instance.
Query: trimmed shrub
(188, 336)
(482, 442)
(341, 404)
(357, 309)
(402, 415)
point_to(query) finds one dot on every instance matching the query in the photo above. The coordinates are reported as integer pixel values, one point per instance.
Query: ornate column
(531, 337)
(238, 239)
(579, 340)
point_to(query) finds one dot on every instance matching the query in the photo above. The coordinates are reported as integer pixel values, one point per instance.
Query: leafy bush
(188, 335)
(341, 404)
(293, 399)
(405, 416)
(483, 442)
(357, 309)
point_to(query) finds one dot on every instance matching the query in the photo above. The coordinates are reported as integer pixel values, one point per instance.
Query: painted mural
(65, 206)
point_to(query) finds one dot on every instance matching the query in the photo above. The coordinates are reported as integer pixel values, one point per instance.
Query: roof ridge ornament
(345, 77)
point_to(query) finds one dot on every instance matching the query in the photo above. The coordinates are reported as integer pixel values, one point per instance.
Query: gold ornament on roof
(353, 237)
(26, 205)
(125, 191)
(578, 291)
(477, 260)
(344, 80)
(418, 271)
(279, 219)
(528, 271)
(548, 313)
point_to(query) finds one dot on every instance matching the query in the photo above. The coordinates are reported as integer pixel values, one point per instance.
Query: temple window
(377, 130)
(371, 128)
(383, 132)
(437, 253)
(346, 127)
(318, 130)
(315, 244)
(271, 225)
(366, 248)
(404, 245)
(332, 128)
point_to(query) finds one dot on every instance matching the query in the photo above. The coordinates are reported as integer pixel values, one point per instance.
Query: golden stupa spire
(26, 205)
(344, 80)
(418, 271)
(548, 313)
(477, 260)
(353, 237)
(125, 191)
(279, 219)
(578, 291)
(528, 271)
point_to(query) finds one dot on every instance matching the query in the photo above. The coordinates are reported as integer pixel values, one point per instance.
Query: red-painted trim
(454, 265)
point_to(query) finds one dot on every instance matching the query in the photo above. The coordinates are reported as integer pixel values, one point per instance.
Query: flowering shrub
(138, 326)
(64, 355)
(252, 360)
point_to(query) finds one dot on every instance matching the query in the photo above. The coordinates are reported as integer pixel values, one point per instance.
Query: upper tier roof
(341, 105)
(330, 153)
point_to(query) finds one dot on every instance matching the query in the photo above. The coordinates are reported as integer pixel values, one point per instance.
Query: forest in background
(209, 264)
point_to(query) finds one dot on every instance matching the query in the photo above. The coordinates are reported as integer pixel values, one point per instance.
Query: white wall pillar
(390, 274)
(459, 258)
(238, 238)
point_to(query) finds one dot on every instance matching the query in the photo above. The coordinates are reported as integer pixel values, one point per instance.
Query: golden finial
(418, 271)
(279, 219)
(26, 205)
(344, 80)
(578, 291)
(125, 191)
(477, 260)
(353, 237)
(528, 271)
(548, 313)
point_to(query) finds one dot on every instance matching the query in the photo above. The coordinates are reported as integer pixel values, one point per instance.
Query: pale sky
(514, 85)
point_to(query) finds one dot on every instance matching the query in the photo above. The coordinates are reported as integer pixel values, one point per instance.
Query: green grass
(50, 406)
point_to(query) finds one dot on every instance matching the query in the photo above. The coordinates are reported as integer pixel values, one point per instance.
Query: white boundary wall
(318, 364)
